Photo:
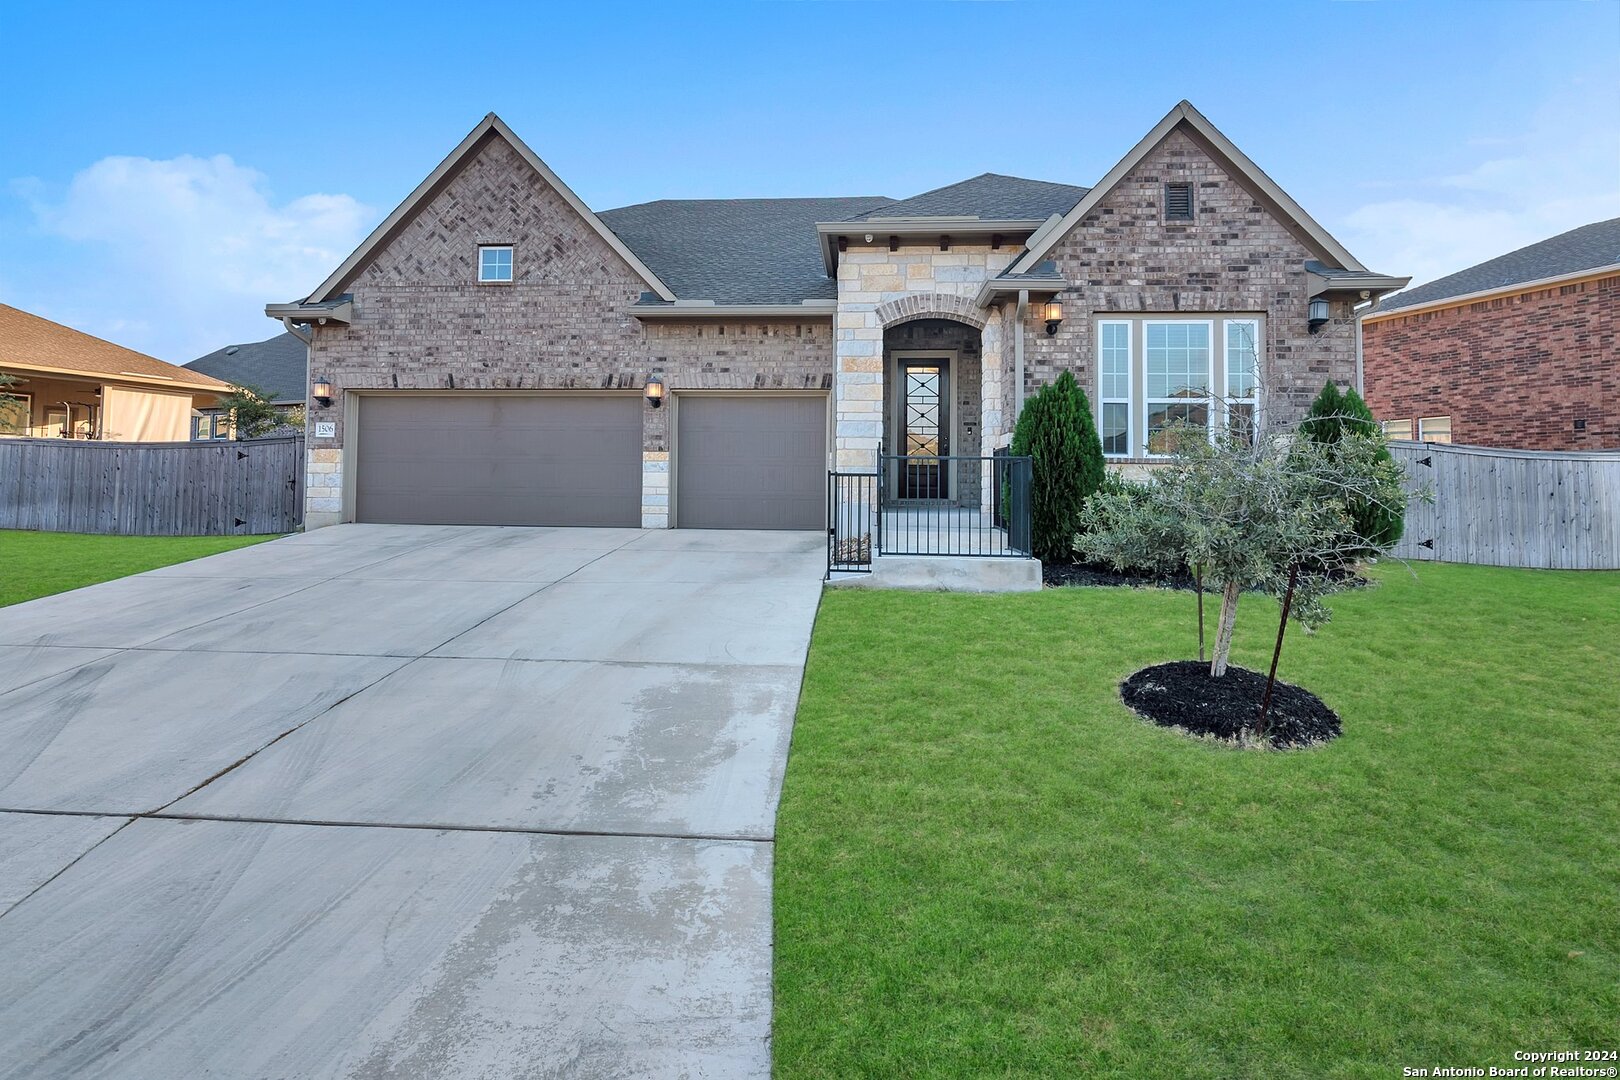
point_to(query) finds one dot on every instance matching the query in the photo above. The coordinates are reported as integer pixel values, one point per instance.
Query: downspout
(1018, 355)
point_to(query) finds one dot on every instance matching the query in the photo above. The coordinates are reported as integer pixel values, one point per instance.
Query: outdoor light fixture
(1318, 313)
(1054, 315)
(655, 392)
(321, 391)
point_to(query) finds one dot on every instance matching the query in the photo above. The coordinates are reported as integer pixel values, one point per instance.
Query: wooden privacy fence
(152, 489)
(1541, 509)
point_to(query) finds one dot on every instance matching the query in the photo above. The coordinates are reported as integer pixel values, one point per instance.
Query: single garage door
(751, 462)
(499, 459)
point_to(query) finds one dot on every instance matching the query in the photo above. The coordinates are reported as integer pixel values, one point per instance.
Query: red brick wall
(1514, 371)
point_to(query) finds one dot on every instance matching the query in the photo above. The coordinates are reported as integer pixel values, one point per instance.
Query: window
(1242, 375)
(1114, 390)
(1400, 430)
(211, 426)
(1157, 370)
(495, 264)
(16, 413)
(1434, 429)
(1177, 358)
(1178, 202)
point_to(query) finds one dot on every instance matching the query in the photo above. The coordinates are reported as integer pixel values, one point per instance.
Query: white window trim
(1130, 384)
(1253, 324)
(1209, 383)
(511, 264)
(1423, 436)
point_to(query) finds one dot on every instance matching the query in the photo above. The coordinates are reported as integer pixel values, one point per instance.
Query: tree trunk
(1223, 629)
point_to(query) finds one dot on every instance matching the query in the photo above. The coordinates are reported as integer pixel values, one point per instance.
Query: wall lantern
(1318, 313)
(1054, 315)
(321, 391)
(655, 392)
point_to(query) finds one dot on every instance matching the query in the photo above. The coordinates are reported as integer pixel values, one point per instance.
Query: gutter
(708, 309)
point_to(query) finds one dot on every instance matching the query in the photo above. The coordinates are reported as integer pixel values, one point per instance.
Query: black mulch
(1056, 575)
(1182, 695)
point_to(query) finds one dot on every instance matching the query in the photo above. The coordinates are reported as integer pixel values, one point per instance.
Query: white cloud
(1561, 172)
(178, 257)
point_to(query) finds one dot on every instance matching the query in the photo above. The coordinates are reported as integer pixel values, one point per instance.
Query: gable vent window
(1178, 204)
(495, 263)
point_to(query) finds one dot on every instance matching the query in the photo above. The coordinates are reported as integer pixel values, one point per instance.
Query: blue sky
(164, 171)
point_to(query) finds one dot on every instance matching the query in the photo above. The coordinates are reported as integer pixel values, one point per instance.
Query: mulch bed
(1059, 575)
(1182, 695)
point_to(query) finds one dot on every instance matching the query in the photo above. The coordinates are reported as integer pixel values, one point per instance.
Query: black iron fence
(965, 507)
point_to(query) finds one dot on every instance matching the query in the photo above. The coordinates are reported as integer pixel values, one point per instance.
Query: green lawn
(34, 564)
(987, 866)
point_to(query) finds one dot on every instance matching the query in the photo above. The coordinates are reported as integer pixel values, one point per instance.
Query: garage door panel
(489, 460)
(751, 462)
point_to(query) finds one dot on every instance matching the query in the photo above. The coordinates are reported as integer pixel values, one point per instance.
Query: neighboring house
(1520, 352)
(487, 350)
(75, 386)
(277, 367)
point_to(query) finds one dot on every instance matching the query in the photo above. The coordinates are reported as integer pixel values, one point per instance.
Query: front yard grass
(35, 564)
(987, 866)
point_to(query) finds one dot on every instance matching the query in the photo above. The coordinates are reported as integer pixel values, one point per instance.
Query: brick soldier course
(738, 296)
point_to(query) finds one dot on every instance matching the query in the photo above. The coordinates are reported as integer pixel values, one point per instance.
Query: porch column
(859, 383)
(992, 340)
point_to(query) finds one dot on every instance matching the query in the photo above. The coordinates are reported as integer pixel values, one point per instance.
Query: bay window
(1155, 371)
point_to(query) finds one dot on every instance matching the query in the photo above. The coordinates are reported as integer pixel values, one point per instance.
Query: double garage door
(740, 461)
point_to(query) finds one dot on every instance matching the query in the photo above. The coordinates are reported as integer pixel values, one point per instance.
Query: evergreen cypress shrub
(1056, 431)
(1333, 414)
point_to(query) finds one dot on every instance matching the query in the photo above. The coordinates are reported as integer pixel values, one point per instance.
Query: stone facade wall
(1235, 257)
(422, 321)
(879, 288)
(1514, 371)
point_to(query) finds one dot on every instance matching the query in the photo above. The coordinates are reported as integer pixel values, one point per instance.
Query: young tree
(1055, 430)
(251, 413)
(1264, 513)
(10, 405)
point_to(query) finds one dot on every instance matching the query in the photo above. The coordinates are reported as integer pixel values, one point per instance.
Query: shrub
(1056, 432)
(1333, 416)
(250, 411)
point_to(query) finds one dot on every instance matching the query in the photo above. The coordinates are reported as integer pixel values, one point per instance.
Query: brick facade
(1514, 371)
(1235, 257)
(421, 320)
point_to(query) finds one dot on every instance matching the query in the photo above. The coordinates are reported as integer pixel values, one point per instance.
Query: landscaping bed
(1181, 694)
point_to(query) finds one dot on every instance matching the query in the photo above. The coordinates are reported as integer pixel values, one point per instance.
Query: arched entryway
(931, 406)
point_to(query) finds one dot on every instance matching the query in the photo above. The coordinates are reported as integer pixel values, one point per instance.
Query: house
(497, 352)
(1519, 352)
(75, 386)
(278, 367)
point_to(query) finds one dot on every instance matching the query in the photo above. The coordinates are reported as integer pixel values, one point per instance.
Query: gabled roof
(988, 196)
(1190, 120)
(736, 251)
(491, 126)
(1590, 247)
(31, 343)
(276, 366)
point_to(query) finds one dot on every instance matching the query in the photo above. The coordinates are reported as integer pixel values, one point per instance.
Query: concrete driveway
(402, 801)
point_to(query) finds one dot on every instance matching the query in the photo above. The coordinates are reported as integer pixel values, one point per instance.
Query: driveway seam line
(71, 863)
(319, 823)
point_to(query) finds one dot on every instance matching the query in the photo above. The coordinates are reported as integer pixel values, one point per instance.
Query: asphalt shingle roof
(26, 338)
(989, 196)
(1579, 249)
(735, 251)
(275, 366)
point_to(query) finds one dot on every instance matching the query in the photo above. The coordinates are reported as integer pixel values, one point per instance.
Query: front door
(924, 426)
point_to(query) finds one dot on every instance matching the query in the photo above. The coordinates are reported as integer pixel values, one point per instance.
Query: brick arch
(931, 305)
